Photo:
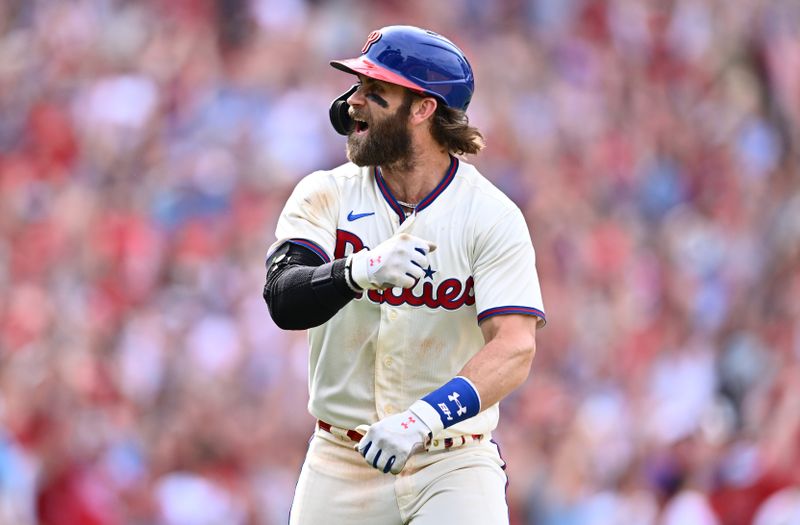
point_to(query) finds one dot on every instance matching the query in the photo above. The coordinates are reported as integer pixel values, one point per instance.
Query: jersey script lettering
(451, 294)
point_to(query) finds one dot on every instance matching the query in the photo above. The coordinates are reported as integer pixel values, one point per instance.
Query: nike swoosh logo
(355, 216)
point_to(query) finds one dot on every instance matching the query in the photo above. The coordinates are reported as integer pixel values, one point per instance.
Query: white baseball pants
(464, 485)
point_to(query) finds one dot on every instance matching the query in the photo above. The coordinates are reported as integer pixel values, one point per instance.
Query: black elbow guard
(328, 283)
(300, 292)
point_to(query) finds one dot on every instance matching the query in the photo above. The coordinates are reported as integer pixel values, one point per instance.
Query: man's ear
(422, 109)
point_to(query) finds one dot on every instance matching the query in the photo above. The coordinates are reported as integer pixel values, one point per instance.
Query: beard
(387, 142)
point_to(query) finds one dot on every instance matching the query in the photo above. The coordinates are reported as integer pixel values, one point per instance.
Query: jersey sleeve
(310, 215)
(504, 269)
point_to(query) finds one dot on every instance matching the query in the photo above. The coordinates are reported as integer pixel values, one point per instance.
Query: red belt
(327, 427)
(431, 444)
(438, 444)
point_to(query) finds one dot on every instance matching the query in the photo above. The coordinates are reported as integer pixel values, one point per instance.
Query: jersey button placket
(386, 369)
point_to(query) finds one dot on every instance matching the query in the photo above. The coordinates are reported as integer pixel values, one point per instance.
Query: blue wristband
(455, 401)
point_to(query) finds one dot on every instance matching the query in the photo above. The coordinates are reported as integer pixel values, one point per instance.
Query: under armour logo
(410, 420)
(461, 408)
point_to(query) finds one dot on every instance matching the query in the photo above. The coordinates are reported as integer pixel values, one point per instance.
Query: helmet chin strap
(338, 112)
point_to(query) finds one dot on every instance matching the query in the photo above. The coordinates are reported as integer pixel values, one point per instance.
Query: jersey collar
(449, 175)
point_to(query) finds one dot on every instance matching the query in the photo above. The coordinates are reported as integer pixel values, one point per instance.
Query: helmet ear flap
(338, 112)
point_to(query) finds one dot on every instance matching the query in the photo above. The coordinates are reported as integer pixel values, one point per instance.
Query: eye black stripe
(378, 100)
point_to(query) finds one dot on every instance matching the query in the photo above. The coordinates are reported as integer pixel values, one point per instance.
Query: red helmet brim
(365, 67)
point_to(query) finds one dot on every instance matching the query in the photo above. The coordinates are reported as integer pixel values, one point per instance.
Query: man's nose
(357, 98)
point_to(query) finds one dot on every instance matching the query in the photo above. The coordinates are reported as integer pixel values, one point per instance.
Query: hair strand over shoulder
(450, 128)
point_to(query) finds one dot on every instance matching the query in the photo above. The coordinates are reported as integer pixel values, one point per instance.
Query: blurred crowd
(147, 147)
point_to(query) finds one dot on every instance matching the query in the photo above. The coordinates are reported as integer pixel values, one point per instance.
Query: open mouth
(361, 126)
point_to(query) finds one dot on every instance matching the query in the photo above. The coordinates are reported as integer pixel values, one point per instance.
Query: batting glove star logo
(389, 443)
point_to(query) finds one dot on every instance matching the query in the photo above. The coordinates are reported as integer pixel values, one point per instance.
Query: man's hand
(388, 443)
(396, 262)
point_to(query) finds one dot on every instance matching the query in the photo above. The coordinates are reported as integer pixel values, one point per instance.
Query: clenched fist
(388, 443)
(396, 262)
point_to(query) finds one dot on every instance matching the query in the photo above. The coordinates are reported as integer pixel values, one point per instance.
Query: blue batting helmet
(418, 59)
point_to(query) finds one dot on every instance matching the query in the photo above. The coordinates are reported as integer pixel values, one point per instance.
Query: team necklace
(407, 205)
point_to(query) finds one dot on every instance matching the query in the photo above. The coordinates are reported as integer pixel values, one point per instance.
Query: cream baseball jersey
(386, 349)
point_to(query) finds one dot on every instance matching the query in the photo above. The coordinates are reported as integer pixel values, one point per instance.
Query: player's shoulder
(337, 176)
(347, 171)
(491, 198)
(331, 178)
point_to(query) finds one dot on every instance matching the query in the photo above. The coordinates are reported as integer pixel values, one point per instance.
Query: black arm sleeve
(300, 291)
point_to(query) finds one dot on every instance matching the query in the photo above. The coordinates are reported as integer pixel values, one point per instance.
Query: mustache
(356, 116)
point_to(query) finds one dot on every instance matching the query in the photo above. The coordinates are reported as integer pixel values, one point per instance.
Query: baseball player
(416, 279)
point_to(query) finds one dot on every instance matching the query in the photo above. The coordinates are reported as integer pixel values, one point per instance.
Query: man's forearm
(504, 362)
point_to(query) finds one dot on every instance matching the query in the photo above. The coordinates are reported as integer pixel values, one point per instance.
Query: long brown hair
(450, 128)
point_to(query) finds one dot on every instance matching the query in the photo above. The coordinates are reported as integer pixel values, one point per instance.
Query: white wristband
(348, 275)
(358, 270)
(428, 415)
